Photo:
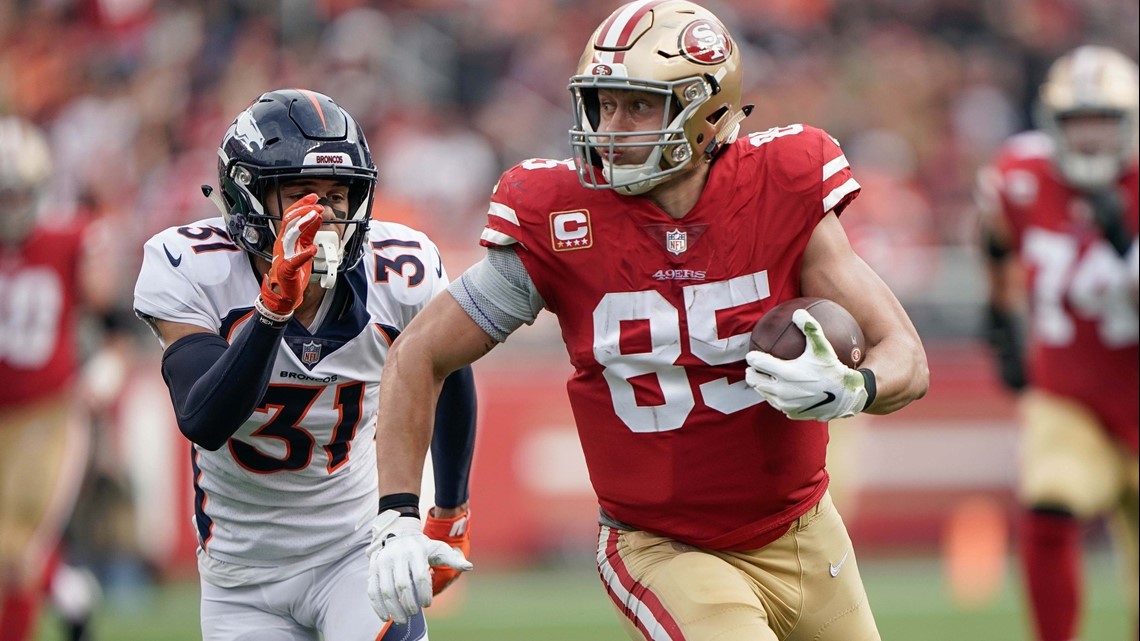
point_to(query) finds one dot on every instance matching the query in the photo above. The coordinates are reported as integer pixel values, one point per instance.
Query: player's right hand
(283, 288)
(816, 386)
(399, 565)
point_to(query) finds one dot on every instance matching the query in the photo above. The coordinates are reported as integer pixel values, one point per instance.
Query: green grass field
(909, 598)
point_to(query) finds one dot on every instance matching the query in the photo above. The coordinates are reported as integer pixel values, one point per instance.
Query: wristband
(266, 317)
(406, 503)
(869, 385)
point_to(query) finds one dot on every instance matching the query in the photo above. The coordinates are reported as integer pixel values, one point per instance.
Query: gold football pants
(43, 454)
(805, 586)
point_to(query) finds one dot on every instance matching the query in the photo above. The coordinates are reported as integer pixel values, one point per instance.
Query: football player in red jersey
(658, 247)
(1060, 213)
(47, 274)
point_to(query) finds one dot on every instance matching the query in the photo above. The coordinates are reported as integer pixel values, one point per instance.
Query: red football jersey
(656, 315)
(38, 293)
(1083, 325)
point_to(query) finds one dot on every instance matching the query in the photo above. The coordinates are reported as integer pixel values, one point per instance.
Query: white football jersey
(295, 486)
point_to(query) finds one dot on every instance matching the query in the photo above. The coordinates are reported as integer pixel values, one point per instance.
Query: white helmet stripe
(1084, 72)
(618, 31)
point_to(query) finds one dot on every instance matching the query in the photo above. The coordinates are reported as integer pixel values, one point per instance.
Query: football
(776, 334)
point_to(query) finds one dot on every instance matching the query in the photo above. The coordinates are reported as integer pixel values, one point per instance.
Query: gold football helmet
(25, 166)
(669, 47)
(1091, 83)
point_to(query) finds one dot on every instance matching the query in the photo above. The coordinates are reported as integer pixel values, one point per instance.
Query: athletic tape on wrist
(406, 503)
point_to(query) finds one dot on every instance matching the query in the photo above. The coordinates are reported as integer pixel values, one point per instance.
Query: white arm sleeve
(498, 294)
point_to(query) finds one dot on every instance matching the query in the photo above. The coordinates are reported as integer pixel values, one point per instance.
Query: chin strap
(729, 132)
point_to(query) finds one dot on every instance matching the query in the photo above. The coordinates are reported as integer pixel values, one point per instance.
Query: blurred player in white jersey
(1061, 232)
(276, 319)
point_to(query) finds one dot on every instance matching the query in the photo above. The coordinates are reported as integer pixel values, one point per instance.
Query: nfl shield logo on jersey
(676, 241)
(310, 353)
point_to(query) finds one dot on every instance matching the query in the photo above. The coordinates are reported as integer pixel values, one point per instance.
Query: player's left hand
(454, 531)
(813, 387)
(283, 287)
(399, 566)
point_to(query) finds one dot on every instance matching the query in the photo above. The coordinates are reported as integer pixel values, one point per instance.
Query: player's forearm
(408, 392)
(215, 387)
(1004, 284)
(453, 441)
(440, 340)
(901, 373)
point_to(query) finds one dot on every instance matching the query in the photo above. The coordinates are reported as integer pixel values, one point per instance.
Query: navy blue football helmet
(286, 135)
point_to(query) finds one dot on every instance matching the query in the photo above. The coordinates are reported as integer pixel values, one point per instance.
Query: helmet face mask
(1088, 105)
(673, 48)
(287, 136)
(671, 149)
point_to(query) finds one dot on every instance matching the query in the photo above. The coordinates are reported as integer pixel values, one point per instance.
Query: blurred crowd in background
(135, 96)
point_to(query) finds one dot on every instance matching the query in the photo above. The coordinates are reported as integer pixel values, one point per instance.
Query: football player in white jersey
(276, 319)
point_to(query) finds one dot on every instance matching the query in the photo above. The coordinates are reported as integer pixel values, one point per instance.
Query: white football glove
(813, 387)
(399, 565)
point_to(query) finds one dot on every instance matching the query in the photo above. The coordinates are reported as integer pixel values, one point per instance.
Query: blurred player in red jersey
(47, 273)
(658, 247)
(1060, 218)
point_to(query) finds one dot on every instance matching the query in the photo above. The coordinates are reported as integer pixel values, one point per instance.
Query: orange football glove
(456, 532)
(283, 287)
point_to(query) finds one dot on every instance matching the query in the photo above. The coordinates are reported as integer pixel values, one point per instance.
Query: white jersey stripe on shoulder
(839, 193)
(496, 238)
(504, 212)
(629, 16)
(834, 165)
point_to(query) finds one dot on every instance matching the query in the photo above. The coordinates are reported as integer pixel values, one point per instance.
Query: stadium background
(135, 95)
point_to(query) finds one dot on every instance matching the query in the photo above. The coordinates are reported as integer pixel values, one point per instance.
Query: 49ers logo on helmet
(705, 42)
